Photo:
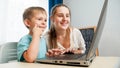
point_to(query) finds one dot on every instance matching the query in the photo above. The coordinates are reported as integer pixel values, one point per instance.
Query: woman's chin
(64, 28)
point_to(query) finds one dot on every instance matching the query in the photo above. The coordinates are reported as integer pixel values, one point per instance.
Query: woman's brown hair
(52, 32)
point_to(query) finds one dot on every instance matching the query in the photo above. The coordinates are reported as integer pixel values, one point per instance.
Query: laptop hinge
(91, 58)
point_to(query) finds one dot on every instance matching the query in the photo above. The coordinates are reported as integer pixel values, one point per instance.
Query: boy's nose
(43, 23)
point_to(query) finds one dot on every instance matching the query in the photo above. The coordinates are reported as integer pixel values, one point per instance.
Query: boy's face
(39, 19)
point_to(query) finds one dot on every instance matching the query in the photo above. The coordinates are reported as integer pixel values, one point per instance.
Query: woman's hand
(72, 51)
(54, 52)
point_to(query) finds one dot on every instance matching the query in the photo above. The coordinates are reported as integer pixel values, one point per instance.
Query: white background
(11, 22)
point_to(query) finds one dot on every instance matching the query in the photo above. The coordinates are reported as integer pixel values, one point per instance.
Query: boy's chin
(44, 31)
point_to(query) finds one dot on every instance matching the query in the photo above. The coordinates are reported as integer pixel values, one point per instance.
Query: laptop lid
(98, 32)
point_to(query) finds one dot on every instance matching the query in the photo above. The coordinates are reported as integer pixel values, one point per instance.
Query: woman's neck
(63, 38)
(61, 34)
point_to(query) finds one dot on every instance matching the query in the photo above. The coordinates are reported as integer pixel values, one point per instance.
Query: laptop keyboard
(66, 57)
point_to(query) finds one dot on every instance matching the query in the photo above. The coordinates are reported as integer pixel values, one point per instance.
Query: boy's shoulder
(26, 37)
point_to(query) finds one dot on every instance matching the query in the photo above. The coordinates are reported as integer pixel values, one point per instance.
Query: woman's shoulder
(74, 30)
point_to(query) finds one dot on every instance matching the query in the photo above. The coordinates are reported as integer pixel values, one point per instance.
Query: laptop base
(82, 63)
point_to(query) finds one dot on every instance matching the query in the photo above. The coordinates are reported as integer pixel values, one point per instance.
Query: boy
(32, 46)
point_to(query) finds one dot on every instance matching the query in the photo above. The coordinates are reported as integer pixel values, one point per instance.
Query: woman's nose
(64, 17)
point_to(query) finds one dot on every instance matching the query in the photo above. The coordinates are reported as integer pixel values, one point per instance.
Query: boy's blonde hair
(29, 12)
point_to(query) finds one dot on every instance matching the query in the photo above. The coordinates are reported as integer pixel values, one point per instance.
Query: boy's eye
(39, 18)
(45, 20)
(42, 19)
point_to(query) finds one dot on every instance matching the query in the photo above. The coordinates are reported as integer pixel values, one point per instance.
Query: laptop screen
(98, 31)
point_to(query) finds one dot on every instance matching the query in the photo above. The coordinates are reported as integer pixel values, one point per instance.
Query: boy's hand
(38, 30)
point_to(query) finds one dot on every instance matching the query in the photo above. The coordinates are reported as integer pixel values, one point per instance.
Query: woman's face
(61, 18)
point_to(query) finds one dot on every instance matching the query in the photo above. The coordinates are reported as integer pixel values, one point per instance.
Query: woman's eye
(67, 15)
(63, 15)
(60, 16)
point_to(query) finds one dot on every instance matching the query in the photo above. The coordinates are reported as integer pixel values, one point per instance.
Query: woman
(62, 38)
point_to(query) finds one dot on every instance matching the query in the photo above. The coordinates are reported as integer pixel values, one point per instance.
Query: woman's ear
(51, 18)
(27, 23)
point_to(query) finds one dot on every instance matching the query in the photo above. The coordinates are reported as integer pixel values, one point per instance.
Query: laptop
(84, 59)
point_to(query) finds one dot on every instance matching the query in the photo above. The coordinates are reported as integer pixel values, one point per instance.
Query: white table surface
(98, 62)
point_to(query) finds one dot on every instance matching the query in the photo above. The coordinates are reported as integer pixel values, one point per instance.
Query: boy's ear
(27, 23)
